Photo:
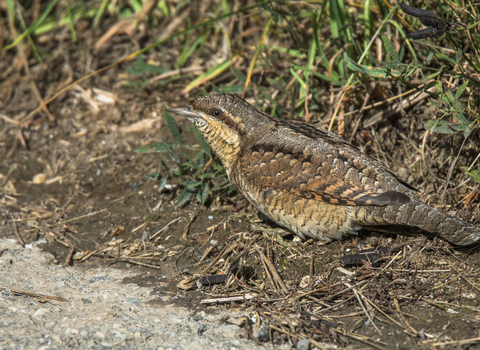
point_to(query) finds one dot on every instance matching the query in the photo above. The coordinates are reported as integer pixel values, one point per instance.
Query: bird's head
(226, 122)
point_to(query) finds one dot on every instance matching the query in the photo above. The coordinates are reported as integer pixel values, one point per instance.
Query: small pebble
(262, 333)
(202, 328)
(132, 301)
(303, 344)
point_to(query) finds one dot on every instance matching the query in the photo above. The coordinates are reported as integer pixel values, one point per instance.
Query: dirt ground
(72, 185)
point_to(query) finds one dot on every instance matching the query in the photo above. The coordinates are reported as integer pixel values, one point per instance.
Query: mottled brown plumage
(312, 181)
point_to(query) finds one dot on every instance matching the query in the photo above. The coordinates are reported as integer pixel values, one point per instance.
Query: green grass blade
(99, 13)
(335, 21)
(320, 75)
(190, 49)
(29, 38)
(172, 125)
(300, 80)
(11, 10)
(201, 141)
(367, 14)
(155, 147)
(70, 21)
(33, 26)
(209, 74)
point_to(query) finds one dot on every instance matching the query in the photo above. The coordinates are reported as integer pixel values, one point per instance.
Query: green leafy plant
(198, 177)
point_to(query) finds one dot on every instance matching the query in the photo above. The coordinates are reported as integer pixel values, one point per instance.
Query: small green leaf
(144, 67)
(439, 86)
(371, 71)
(457, 107)
(429, 57)
(201, 141)
(152, 176)
(233, 89)
(172, 125)
(390, 65)
(433, 75)
(434, 103)
(239, 74)
(205, 193)
(446, 58)
(444, 127)
(156, 147)
(194, 165)
(461, 89)
(390, 49)
(220, 185)
(190, 185)
(199, 197)
(162, 183)
(459, 55)
(319, 75)
(473, 173)
(169, 150)
(184, 197)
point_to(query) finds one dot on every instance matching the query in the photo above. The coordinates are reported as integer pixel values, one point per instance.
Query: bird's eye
(217, 113)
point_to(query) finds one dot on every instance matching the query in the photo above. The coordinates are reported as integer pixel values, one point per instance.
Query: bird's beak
(184, 112)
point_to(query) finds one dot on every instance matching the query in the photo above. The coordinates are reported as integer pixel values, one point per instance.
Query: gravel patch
(100, 312)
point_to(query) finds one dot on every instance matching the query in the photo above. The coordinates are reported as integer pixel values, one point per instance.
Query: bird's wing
(311, 163)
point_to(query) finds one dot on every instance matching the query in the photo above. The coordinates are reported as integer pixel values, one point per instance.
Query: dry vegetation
(68, 172)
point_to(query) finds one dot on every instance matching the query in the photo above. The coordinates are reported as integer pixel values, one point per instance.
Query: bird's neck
(224, 142)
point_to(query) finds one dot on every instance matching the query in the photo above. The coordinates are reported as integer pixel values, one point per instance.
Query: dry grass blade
(172, 73)
(228, 299)
(407, 324)
(121, 259)
(40, 297)
(357, 294)
(381, 311)
(456, 343)
(272, 269)
(189, 223)
(465, 278)
(79, 217)
(227, 250)
(210, 74)
(164, 227)
(17, 233)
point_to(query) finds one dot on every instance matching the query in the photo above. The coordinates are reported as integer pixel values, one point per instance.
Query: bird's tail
(428, 219)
